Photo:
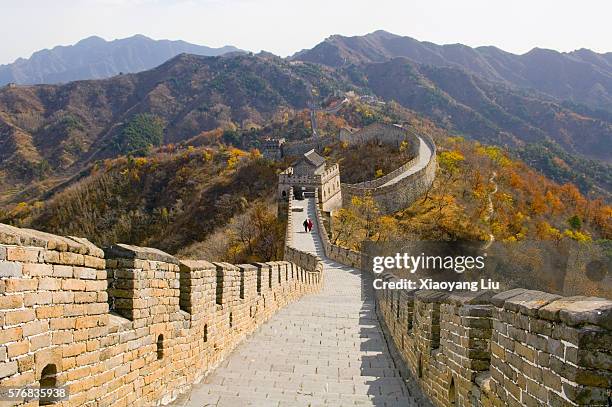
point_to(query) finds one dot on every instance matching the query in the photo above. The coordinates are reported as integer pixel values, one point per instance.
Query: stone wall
(379, 132)
(299, 147)
(334, 252)
(405, 191)
(514, 348)
(128, 326)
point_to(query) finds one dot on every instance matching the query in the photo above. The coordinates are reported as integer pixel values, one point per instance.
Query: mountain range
(96, 58)
(49, 133)
(581, 76)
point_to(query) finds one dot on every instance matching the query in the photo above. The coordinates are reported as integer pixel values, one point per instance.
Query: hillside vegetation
(169, 200)
(526, 205)
(50, 133)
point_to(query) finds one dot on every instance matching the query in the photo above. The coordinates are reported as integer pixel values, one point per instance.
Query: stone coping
(11, 235)
(193, 265)
(573, 311)
(126, 251)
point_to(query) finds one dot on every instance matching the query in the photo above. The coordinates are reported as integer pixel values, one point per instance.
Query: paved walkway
(326, 349)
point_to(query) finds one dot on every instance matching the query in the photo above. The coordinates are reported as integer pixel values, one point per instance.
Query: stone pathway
(326, 349)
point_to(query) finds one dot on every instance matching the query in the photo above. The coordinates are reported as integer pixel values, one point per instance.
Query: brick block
(95, 285)
(51, 256)
(49, 311)
(50, 284)
(18, 348)
(20, 284)
(11, 301)
(8, 369)
(35, 328)
(94, 262)
(10, 269)
(40, 341)
(73, 284)
(23, 254)
(19, 316)
(62, 297)
(72, 259)
(85, 273)
(37, 270)
(63, 271)
(37, 298)
(11, 334)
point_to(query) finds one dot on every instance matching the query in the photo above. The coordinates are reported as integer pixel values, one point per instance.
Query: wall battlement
(514, 348)
(389, 195)
(128, 326)
(518, 347)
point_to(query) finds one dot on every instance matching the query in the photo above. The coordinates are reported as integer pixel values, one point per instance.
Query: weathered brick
(37, 298)
(25, 362)
(8, 369)
(23, 254)
(96, 308)
(49, 311)
(62, 271)
(51, 256)
(37, 270)
(40, 341)
(73, 349)
(62, 323)
(11, 301)
(86, 297)
(94, 262)
(85, 273)
(19, 316)
(20, 284)
(11, 334)
(72, 259)
(63, 297)
(10, 269)
(73, 285)
(18, 348)
(50, 284)
(97, 285)
(35, 328)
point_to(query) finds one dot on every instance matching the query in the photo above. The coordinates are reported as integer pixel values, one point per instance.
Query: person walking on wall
(310, 225)
(305, 225)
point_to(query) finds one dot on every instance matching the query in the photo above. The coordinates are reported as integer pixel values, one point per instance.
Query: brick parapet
(135, 328)
(519, 347)
(405, 191)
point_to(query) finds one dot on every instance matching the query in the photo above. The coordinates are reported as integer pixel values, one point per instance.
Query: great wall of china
(393, 191)
(135, 326)
(128, 325)
(401, 187)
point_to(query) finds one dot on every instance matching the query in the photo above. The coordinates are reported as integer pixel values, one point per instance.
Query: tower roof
(313, 158)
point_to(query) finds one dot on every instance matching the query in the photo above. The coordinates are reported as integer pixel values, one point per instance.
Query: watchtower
(311, 173)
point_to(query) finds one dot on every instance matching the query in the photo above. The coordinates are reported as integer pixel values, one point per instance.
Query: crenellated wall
(514, 348)
(128, 326)
(394, 191)
(334, 252)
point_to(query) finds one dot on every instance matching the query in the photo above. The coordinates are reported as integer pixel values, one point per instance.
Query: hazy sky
(286, 26)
